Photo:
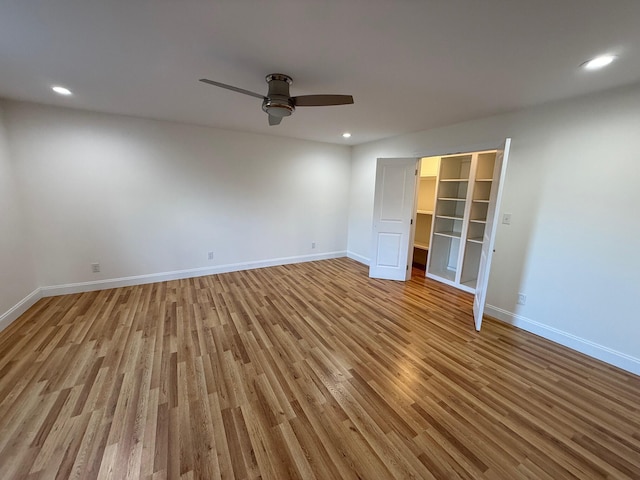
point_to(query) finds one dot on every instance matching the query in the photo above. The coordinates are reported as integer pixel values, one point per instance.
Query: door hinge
(407, 268)
(411, 222)
(416, 172)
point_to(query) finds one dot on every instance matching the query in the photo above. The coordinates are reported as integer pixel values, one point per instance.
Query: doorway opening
(425, 205)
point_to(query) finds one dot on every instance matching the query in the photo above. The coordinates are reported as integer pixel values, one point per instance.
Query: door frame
(444, 152)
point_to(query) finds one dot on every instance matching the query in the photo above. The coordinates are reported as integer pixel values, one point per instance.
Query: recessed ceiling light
(598, 62)
(346, 135)
(61, 90)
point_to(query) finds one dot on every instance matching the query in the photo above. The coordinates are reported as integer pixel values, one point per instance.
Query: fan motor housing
(278, 102)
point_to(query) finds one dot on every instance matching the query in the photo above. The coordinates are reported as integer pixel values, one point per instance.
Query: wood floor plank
(305, 371)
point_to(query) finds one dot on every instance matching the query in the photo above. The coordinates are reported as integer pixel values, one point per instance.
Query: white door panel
(488, 240)
(393, 211)
(388, 253)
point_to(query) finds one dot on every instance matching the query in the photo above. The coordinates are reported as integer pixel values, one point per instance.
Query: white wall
(145, 197)
(573, 187)
(17, 278)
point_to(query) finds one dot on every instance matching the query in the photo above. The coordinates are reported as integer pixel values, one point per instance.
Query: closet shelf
(449, 234)
(421, 246)
(454, 179)
(447, 274)
(453, 199)
(484, 179)
(425, 212)
(450, 217)
(475, 240)
(479, 200)
(478, 221)
(470, 283)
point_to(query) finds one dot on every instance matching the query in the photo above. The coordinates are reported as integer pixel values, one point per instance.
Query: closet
(443, 213)
(456, 219)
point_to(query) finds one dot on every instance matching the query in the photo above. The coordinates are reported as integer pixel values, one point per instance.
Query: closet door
(488, 239)
(393, 210)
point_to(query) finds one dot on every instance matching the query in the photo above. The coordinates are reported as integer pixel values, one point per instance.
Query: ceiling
(410, 64)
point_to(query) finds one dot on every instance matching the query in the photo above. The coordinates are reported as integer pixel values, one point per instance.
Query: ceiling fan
(278, 103)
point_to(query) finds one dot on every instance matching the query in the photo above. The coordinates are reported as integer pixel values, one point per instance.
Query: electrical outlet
(95, 267)
(506, 219)
(522, 299)
(313, 244)
(210, 255)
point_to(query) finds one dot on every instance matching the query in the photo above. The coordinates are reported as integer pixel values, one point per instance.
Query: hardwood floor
(302, 371)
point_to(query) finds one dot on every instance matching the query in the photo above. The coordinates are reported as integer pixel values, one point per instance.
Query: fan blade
(321, 100)
(273, 120)
(231, 87)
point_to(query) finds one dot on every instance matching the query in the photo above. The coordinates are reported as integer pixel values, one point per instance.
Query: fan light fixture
(346, 135)
(598, 62)
(61, 90)
(277, 109)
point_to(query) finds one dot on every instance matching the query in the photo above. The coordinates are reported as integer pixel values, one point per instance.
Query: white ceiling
(410, 64)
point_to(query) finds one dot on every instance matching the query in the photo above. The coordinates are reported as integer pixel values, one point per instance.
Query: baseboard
(54, 290)
(607, 355)
(19, 308)
(358, 258)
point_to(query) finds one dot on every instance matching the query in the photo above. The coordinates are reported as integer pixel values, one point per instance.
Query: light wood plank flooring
(302, 371)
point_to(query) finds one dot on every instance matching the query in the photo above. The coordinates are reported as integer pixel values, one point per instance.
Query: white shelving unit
(463, 193)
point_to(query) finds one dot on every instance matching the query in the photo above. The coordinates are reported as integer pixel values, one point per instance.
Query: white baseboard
(606, 354)
(19, 308)
(53, 290)
(358, 258)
